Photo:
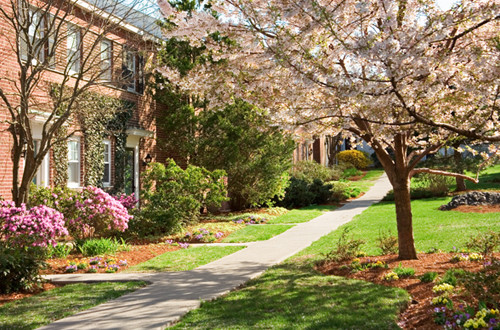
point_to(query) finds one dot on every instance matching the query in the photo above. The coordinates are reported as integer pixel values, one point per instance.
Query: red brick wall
(144, 116)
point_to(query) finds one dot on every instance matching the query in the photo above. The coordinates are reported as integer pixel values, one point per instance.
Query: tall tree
(59, 55)
(403, 75)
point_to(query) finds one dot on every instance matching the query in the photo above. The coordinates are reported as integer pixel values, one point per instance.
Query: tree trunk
(236, 202)
(404, 218)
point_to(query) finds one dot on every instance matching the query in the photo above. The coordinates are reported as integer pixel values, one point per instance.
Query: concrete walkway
(171, 295)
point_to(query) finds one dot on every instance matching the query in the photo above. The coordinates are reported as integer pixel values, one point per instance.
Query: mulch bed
(477, 208)
(419, 313)
(136, 254)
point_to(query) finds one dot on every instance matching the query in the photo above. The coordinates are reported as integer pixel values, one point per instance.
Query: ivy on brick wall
(60, 155)
(117, 127)
(94, 112)
(99, 116)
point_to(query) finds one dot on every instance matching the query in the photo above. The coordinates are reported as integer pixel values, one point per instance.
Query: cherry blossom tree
(402, 75)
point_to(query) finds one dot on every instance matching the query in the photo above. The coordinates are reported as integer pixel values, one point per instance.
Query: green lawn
(184, 259)
(293, 295)
(253, 233)
(368, 180)
(432, 228)
(302, 215)
(489, 179)
(49, 306)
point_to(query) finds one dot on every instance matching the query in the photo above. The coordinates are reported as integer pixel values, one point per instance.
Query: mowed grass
(184, 259)
(52, 305)
(293, 295)
(253, 233)
(432, 228)
(302, 215)
(488, 180)
(367, 181)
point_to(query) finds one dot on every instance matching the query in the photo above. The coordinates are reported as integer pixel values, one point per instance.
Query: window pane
(129, 70)
(106, 152)
(105, 177)
(73, 151)
(106, 59)
(74, 172)
(73, 47)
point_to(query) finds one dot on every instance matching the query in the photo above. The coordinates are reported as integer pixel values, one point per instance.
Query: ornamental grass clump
(347, 247)
(98, 246)
(404, 271)
(428, 277)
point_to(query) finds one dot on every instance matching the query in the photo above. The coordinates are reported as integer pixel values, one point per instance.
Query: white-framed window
(74, 163)
(41, 177)
(73, 44)
(106, 59)
(35, 34)
(106, 178)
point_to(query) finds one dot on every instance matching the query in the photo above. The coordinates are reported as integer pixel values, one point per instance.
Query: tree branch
(445, 173)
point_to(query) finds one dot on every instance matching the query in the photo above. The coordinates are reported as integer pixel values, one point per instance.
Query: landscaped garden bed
(420, 312)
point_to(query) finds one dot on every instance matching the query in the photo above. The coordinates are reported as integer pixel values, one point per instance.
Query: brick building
(125, 54)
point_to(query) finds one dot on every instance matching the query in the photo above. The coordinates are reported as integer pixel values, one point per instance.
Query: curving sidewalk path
(173, 294)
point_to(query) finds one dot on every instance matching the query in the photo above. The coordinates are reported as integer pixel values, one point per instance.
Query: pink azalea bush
(129, 201)
(97, 214)
(38, 226)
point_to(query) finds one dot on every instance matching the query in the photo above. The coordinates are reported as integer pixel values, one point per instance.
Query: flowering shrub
(184, 245)
(128, 201)
(252, 219)
(38, 226)
(91, 212)
(98, 214)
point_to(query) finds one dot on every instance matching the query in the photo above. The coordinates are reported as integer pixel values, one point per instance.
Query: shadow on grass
(486, 181)
(291, 296)
(38, 310)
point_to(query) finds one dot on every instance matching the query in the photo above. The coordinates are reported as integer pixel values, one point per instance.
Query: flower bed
(421, 312)
(136, 254)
